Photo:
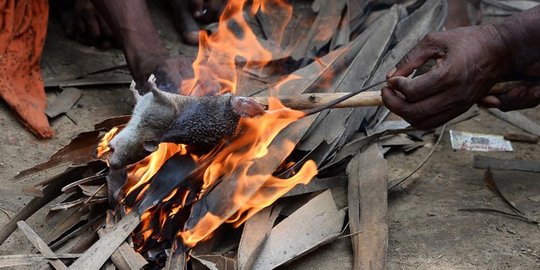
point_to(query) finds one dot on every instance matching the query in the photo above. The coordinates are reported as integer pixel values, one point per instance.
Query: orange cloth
(23, 27)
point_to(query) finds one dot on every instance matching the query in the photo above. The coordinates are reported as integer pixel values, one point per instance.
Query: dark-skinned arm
(470, 61)
(143, 49)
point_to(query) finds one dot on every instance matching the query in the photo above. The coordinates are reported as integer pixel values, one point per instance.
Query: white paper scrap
(479, 142)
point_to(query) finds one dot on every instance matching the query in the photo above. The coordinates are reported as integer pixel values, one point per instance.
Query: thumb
(489, 102)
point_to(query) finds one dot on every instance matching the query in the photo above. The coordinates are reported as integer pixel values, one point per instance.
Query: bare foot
(189, 14)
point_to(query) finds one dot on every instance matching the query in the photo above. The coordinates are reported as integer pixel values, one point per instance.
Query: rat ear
(156, 92)
(151, 146)
(134, 91)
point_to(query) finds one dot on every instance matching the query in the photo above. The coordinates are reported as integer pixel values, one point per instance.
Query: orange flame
(216, 62)
(252, 145)
(141, 172)
(272, 190)
(103, 146)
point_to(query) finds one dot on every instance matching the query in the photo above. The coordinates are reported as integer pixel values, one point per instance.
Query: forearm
(521, 36)
(131, 23)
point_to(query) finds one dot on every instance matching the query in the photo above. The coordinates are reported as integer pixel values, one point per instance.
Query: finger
(490, 102)
(427, 49)
(418, 112)
(92, 26)
(421, 87)
(81, 34)
(106, 38)
(395, 103)
(521, 97)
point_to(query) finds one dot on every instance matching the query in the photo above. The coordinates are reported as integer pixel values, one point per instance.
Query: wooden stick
(363, 99)
(313, 100)
(102, 249)
(40, 245)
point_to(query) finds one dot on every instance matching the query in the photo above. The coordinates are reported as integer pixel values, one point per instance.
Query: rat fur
(160, 116)
(196, 121)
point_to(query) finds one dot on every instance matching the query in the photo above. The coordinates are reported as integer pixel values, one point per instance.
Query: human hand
(82, 22)
(469, 60)
(513, 96)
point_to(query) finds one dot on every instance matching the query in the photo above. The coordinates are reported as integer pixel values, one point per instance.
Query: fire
(252, 145)
(272, 190)
(103, 146)
(141, 172)
(234, 39)
(216, 63)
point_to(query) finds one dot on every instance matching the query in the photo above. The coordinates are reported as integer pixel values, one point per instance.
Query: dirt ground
(426, 229)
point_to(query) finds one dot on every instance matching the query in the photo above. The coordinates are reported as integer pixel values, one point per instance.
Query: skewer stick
(312, 100)
(358, 98)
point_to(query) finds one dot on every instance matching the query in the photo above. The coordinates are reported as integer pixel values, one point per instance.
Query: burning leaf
(250, 173)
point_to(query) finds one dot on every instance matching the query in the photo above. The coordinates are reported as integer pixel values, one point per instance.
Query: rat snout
(112, 146)
(113, 159)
